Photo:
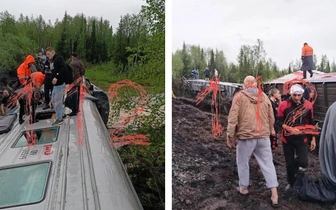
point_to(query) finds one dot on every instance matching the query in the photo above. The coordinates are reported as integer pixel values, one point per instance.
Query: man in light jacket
(252, 105)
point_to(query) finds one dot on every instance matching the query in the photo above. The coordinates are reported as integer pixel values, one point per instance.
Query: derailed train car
(325, 84)
(226, 91)
(72, 166)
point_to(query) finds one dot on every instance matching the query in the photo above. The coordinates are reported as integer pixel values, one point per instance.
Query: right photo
(253, 104)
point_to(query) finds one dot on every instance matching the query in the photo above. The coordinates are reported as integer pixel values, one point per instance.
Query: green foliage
(106, 74)
(145, 164)
(251, 60)
(137, 44)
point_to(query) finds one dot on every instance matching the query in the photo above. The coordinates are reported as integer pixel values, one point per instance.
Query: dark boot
(304, 74)
(311, 73)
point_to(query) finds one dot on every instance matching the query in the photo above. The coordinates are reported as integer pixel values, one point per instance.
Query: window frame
(44, 187)
(22, 133)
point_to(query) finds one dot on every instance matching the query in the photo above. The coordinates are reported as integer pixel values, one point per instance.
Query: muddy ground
(205, 172)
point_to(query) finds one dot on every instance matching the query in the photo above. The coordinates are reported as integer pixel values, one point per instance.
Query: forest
(135, 48)
(251, 60)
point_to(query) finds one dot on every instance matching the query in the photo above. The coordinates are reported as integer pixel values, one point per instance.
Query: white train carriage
(60, 171)
(226, 88)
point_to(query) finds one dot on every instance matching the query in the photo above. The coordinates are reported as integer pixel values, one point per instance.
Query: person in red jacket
(294, 142)
(307, 60)
(23, 73)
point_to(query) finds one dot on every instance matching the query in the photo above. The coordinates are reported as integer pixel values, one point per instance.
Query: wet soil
(205, 171)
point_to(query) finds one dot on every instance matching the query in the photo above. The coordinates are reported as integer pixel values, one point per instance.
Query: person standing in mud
(275, 98)
(294, 142)
(253, 138)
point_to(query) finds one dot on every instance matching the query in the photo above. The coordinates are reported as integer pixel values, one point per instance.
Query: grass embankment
(106, 74)
(145, 164)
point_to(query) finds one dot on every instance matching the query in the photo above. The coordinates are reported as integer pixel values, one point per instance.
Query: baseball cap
(296, 89)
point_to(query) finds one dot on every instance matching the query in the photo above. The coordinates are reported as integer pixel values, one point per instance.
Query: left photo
(82, 112)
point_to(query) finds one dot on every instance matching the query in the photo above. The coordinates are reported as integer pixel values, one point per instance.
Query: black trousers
(305, 73)
(296, 155)
(48, 88)
(72, 100)
(25, 108)
(22, 108)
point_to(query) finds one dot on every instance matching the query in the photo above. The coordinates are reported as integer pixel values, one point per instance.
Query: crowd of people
(195, 73)
(260, 138)
(52, 72)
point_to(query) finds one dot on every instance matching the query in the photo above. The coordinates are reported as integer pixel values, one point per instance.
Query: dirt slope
(205, 172)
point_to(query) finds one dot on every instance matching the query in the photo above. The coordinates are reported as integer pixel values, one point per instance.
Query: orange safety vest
(24, 71)
(307, 51)
(37, 78)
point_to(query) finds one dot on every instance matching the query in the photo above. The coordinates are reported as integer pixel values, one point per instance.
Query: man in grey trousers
(251, 121)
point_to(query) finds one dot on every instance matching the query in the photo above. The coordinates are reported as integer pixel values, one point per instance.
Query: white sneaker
(288, 187)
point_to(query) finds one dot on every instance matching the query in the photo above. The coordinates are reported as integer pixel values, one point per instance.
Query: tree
(186, 61)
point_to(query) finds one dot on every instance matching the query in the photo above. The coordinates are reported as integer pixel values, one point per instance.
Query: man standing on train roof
(307, 60)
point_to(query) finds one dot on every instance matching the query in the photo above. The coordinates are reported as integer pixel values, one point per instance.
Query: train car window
(43, 136)
(23, 185)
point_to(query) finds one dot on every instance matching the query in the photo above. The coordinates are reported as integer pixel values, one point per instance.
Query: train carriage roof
(318, 75)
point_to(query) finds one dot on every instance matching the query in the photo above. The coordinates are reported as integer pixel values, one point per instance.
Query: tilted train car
(325, 84)
(227, 89)
(62, 171)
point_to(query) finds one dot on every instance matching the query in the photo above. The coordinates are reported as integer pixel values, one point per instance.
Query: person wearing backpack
(78, 70)
(58, 75)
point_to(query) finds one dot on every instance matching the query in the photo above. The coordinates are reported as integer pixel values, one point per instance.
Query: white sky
(110, 10)
(283, 26)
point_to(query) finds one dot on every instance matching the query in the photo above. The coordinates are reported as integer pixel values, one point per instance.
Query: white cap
(296, 89)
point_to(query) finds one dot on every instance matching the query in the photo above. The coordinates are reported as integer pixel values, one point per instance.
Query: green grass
(106, 74)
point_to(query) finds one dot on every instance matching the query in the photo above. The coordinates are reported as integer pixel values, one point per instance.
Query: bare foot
(274, 199)
(243, 191)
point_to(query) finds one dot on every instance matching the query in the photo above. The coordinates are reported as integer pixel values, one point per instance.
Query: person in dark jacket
(275, 98)
(4, 102)
(78, 71)
(58, 69)
(207, 73)
(294, 142)
(48, 86)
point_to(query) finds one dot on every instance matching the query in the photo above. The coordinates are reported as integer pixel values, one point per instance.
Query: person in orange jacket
(23, 73)
(25, 69)
(307, 60)
(36, 81)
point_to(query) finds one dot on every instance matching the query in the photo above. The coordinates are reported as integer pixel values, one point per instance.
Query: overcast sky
(283, 26)
(50, 10)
